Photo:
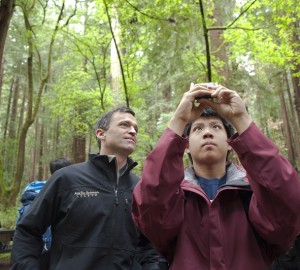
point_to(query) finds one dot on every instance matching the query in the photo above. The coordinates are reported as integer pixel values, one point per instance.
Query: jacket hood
(236, 176)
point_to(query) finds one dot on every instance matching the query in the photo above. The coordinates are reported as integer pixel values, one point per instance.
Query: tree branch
(242, 13)
(149, 16)
(118, 53)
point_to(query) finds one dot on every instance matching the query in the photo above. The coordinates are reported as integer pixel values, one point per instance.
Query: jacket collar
(98, 160)
(236, 176)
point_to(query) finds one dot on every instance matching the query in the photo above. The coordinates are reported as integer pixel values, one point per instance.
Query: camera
(207, 96)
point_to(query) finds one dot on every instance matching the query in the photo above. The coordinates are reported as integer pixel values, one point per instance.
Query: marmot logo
(83, 194)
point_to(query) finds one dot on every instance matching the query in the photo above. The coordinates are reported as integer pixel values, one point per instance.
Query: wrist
(241, 123)
(177, 125)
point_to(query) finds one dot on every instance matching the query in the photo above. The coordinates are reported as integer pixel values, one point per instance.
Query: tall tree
(44, 72)
(6, 12)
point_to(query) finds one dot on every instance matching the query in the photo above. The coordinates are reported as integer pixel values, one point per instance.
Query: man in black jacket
(88, 206)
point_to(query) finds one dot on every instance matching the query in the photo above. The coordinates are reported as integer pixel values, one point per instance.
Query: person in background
(58, 163)
(215, 215)
(290, 260)
(29, 194)
(88, 206)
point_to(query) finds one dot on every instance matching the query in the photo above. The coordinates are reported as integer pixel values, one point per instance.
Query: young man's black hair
(209, 112)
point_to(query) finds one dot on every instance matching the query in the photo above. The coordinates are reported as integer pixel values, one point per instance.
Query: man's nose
(132, 130)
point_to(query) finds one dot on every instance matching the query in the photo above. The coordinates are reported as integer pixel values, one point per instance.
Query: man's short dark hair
(59, 163)
(209, 112)
(104, 121)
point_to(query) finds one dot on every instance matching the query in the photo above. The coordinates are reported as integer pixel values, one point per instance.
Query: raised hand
(229, 104)
(224, 101)
(188, 109)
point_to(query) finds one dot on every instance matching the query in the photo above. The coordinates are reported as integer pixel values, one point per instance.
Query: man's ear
(100, 133)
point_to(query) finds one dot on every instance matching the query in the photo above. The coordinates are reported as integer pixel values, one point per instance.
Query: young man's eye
(197, 129)
(217, 127)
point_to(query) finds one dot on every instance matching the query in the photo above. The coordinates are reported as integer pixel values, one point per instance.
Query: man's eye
(217, 127)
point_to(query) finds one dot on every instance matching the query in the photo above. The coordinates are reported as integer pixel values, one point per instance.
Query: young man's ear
(187, 149)
(188, 152)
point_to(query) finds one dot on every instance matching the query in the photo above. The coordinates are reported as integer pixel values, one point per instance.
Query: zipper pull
(126, 203)
(116, 197)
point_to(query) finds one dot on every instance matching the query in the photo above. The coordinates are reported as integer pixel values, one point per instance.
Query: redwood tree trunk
(295, 74)
(6, 11)
(79, 143)
(296, 82)
(286, 125)
(218, 47)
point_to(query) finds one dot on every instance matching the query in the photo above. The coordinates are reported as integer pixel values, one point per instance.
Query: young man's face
(208, 141)
(121, 136)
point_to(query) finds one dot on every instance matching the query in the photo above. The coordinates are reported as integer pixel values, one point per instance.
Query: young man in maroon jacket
(215, 215)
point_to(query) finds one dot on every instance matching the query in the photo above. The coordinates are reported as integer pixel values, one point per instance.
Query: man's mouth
(131, 139)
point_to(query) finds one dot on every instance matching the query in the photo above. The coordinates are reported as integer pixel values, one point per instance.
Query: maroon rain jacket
(193, 233)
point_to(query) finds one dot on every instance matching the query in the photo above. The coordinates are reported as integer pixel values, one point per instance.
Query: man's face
(121, 136)
(208, 141)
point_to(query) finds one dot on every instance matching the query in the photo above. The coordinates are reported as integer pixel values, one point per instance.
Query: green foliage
(162, 51)
(76, 107)
(5, 256)
(271, 40)
(8, 218)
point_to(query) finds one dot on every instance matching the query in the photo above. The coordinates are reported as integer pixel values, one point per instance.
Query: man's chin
(129, 150)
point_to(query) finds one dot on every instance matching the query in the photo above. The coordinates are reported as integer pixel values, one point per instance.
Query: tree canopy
(64, 63)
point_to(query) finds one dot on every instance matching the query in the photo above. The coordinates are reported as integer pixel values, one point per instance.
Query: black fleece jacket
(88, 206)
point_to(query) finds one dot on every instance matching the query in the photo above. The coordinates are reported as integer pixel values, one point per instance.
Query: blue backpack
(27, 197)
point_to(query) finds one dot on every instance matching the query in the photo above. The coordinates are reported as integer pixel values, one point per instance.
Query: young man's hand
(224, 101)
(230, 105)
(188, 110)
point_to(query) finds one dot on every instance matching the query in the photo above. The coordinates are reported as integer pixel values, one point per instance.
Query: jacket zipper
(117, 184)
(116, 196)
(126, 204)
(114, 208)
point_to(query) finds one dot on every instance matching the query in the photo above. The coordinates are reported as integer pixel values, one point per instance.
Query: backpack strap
(245, 197)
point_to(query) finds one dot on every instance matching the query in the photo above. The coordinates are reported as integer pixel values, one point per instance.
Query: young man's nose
(207, 133)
